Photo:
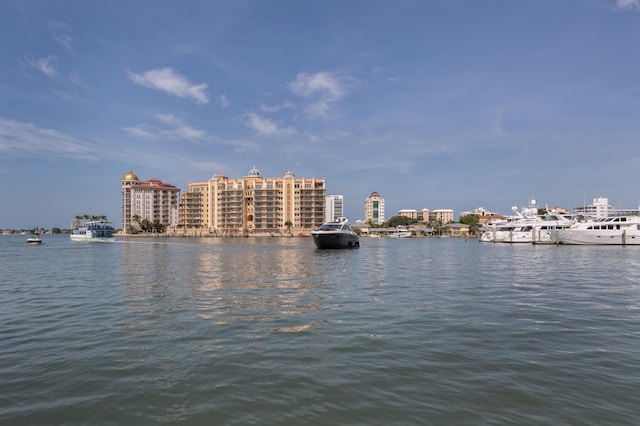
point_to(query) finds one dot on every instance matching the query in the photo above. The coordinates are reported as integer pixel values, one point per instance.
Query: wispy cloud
(266, 127)
(178, 130)
(46, 65)
(628, 4)
(169, 81)
(276, 108)
(322, 88)
(224, 102)
(60, 33)
(19, 138)
(140, 132)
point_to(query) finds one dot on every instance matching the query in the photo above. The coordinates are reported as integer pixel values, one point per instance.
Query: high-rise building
(374, 208)
(152, 199)
(333, 208)
(254, 204)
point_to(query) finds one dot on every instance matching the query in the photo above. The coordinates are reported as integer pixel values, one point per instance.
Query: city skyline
(432, 104)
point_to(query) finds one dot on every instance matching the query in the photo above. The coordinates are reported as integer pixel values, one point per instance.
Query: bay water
(272, 331)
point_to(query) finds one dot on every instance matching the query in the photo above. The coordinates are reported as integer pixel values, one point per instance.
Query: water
(272, 331)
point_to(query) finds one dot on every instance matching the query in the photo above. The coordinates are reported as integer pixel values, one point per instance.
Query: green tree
(159, 227)
(288, 224)
(472, 221)
(399, 220)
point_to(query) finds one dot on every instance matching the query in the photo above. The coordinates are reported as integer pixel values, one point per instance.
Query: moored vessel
(399, 231)
(611, 230)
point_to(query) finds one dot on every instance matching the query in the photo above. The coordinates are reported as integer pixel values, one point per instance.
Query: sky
(438, 104)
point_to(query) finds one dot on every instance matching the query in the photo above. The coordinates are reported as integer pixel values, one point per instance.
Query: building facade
(600, 208)
(152, 199)
(374, 209)
(443, 216)
(333, 207)
(254, 204)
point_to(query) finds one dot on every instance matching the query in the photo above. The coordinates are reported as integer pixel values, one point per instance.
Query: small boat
(335, 235)
(399, 231)
(34, 239)
(610, 230)
(93, 230)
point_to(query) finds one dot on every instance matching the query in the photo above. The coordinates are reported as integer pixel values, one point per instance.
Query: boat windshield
(330, 227)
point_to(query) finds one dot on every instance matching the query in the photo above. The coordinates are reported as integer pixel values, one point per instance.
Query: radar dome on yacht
(130, 176)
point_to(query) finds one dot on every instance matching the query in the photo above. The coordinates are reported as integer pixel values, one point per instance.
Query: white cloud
(322, 87)
(267, 127)
(167, 80)
(224, 102)
(59, 31)
(178, 130)
(20, 138)
(45, 65)
(139, 132)
(628, 4)
(276, 108)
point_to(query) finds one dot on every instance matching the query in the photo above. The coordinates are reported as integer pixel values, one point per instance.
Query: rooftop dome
(254, 172)
(130, 176)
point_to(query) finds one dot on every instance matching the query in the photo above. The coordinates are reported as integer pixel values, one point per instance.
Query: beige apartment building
(374, 209)
(425, 215)
(151, 199)
(254, 204)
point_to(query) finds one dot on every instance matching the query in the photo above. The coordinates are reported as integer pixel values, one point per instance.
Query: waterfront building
(152, 199)
(254, 203)
(333, 207)
(443, 216)
(600, 208)
(410, 213)
(374, 209)
(426, 216)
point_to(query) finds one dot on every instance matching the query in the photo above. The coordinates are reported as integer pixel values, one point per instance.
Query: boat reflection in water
(335, 235)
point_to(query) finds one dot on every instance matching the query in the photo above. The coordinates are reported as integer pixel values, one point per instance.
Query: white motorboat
(93, 230)
(612, 230)
(399, 231)
(335, 235)
(34, 239)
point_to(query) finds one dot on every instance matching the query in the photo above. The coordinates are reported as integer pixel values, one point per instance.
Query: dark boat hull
(335, 241)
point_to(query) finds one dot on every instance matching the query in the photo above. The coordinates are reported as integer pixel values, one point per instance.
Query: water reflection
(228, 281)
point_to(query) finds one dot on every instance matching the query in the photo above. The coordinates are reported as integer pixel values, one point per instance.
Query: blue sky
(432, 103)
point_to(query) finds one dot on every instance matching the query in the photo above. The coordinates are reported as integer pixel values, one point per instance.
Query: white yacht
(612, 230)
(399, 231)
(526, 226)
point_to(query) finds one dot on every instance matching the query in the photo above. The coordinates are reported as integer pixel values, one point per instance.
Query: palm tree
(288, 224)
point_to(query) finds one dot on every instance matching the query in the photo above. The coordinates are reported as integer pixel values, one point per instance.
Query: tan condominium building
(374, 209)
(254, 204)
(152, 199)
(443, 216)
(425, 215)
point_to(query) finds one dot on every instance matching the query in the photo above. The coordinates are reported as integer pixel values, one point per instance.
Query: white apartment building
(333, 207)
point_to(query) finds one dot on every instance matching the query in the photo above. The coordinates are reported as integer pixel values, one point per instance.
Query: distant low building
(457, 230)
